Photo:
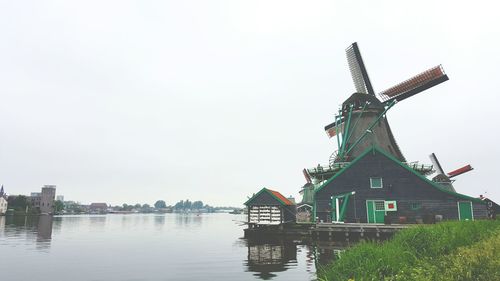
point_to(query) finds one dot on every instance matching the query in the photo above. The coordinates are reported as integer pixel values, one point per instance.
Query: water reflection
(187, 246)
(44, 231)
(188, 220)
(37, 229)
(269, 256)
(326, 252)
(159, 221)
(265, 257)
(98, 222)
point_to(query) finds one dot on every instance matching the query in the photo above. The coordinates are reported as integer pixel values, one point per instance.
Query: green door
(334, 211)
(465, 210)
(343, 200)
(375, 210)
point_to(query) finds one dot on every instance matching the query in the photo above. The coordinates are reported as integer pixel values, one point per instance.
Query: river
(139, 247)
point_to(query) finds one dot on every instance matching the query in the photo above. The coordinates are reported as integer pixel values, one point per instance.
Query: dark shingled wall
(381, 134)
(398, 184)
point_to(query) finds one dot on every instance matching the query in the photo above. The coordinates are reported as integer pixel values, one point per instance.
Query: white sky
(134, 101)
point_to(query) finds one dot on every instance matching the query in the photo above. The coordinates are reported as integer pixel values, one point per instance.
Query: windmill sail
(464, 169)
(415, 85)
(334, 129)
(436, 164)
(358, 70)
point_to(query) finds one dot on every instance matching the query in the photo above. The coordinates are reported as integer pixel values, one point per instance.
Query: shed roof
(375, 149)
(278, 196)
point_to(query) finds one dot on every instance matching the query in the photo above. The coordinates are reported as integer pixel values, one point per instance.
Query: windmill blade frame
(459, 171)
(415, 85)
(436, 164)
(358, 71)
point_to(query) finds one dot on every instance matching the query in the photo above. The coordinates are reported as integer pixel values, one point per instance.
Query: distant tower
(47, 199)
(3, 201)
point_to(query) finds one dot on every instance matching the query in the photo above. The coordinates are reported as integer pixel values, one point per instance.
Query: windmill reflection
(326, 252)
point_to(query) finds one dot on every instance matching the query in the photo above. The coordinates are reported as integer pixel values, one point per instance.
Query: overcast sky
(134, 101)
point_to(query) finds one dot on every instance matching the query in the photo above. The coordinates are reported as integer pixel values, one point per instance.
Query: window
(415, 206)
(379, 205)
(376, 182)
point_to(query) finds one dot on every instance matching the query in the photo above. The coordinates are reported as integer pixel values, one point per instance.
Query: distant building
(3, 201)
(60, 198)
(35, 199)
(48, 197)
(44, 201)
(98, 208)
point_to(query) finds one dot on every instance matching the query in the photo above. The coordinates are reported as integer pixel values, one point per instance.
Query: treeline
(182, 205)
(188, 205)
(160, 204)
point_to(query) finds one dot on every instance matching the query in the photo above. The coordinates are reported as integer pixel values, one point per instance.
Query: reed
(417, 253)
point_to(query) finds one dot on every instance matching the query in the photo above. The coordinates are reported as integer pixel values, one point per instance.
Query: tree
(179, 205)
(127, 207)
(160, 204)
(58, 206)
(19, 203)
(137, 206)
(146, 206)
(187, 204)
(197, 205)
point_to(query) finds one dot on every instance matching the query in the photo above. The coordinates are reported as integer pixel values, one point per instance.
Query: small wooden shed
(269, 207)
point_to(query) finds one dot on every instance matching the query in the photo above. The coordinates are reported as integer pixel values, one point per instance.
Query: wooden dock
(355, 231)
(327, 231)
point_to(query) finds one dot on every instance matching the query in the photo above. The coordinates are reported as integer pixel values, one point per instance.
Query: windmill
(361, 122)
(445, 179)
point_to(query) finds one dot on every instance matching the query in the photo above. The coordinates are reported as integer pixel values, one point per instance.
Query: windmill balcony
(422, 169)
(322, 173)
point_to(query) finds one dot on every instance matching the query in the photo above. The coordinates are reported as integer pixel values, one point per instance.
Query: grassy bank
(445, 251)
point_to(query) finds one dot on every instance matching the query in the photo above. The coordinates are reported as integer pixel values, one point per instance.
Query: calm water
(148, 247)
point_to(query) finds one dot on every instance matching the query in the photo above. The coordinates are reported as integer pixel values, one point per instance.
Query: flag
(390, 206)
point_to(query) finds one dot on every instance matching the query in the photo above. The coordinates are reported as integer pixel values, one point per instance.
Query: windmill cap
(360, 99)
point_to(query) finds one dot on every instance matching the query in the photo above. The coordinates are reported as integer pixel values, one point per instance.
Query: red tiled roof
(280, 197)
(98, 205)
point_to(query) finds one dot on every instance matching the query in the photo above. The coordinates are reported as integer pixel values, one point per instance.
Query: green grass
(424, 253)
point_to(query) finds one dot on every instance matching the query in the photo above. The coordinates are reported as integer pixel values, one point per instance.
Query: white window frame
(381, 182)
